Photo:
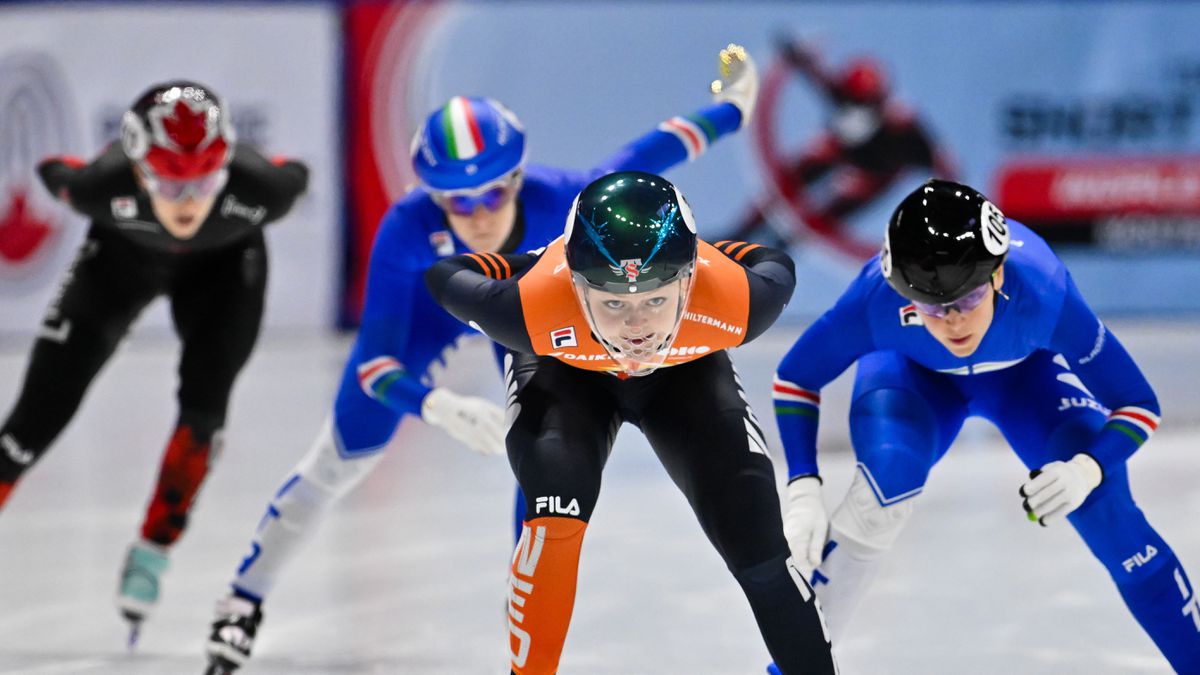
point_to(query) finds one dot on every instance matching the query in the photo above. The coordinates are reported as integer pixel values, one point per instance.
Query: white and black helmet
(944, 240)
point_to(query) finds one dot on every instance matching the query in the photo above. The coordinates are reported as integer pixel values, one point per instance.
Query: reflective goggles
(178, 190)
(964, 304)
(490, 196)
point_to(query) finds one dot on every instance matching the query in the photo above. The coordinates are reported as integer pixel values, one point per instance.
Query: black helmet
(944, 240)
(629, 232)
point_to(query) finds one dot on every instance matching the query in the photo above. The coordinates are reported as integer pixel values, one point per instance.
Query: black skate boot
(232, 637)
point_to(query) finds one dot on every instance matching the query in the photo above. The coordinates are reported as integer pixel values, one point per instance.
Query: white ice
(408, 574)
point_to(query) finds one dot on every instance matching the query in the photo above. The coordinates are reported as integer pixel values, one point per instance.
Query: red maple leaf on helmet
(186, 127)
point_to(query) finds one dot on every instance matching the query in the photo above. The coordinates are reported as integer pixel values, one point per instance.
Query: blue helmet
(467, 143)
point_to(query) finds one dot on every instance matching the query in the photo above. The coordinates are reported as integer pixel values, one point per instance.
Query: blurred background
(1081, 119)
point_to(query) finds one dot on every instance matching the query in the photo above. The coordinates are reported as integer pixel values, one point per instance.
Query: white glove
(739, 80)
(477, 422)
(806, 523)
(1058, 488)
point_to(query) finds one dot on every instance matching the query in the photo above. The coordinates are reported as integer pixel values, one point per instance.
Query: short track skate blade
(135, 631)
(135, 627)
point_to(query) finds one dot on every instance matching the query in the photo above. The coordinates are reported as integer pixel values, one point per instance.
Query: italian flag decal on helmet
(463, 138)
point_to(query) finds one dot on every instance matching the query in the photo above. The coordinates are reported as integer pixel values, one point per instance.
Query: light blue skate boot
(138, 593)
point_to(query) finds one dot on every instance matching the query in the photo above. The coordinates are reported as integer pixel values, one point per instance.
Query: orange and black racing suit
(565, 406)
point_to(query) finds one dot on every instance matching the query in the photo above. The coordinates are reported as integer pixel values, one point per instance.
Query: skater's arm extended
(88, 187)
(684, 138)
(829, 346)
(1109, 372)
(771, 275)
(480, 289)
(390, 329)
(57, 172)
(401, 325)
(274, 184)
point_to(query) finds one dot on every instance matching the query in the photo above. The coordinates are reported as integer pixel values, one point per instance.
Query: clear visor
(200, 187)
(637, 329)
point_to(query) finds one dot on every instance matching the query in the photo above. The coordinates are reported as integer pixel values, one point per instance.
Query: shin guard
(184, 466)
(861, 532)
(789, 617)
(542, 593)
(1166, 606)
(317, 482)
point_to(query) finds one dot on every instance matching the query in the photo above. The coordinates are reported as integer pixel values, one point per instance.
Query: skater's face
(181, 216)
(638, 325)
(485, 230)
(961, 332)
(484, 217)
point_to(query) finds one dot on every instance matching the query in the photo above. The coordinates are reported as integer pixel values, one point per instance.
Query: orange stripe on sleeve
(501, 265)
(729, 250)
(742, 253)
(483, 265)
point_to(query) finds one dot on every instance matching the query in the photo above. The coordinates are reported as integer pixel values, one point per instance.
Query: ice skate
(137, 596)
(232, 638)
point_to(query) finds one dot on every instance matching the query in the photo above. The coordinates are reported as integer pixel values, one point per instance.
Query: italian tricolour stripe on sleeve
(1137, 423)
(792, 399)
(694, 132)
(376, 375)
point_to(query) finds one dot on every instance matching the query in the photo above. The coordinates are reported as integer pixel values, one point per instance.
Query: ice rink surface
(408, 574)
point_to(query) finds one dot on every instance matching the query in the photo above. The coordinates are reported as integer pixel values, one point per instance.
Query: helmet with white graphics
(179, 135)
(630, 231)
(630, 245)
(944, 241)
(467, 144)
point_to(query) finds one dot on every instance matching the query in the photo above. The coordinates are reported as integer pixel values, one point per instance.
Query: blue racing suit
(1048, 374)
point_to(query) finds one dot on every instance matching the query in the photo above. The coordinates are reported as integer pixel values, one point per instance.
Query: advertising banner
(1079, 118)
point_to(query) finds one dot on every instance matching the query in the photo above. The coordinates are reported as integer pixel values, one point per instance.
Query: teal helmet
(630, 232)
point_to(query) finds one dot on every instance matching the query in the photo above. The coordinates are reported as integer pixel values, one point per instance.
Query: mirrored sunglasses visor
(176, 190)
(464, 204)
(964, 304)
